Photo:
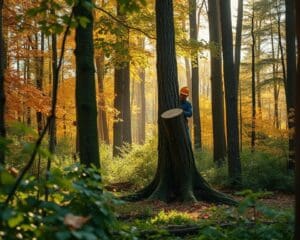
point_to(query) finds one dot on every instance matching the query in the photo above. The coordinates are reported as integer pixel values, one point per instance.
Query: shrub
(137, 165)
(260, 171)
(77, 207)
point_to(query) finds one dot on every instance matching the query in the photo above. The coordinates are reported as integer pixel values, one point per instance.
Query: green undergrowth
(136, 166)
(250, 220)
(260, 171)
(77, 207)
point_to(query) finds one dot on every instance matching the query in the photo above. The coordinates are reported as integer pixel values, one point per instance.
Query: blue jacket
(186, 106)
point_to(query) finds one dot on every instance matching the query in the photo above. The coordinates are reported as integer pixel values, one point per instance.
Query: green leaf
(15, 221)
(83, 21)
(6, 178)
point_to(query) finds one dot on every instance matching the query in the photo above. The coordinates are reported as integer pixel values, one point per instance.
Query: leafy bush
(261, 171)
(137, 165)
(77, 207)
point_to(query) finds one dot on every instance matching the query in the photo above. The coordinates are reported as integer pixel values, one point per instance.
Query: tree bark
(86, 109)
(118, 122)
(234, 164)
(195, 76)
(238, 44)
(142, 102)
(39, 79)
(276, 87)
(290, 77)
(257, 69)
(297, 136)
(122, 127)
(52, 125)
(253, 87)
(102, 120)
(217, 95)
(2, 91)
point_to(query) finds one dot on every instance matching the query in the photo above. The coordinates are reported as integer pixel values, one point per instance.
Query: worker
(186, 106)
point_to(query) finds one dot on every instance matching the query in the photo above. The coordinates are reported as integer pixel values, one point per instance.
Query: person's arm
(188, 110)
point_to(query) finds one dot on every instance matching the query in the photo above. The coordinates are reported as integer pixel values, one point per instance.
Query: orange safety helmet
(184, 91)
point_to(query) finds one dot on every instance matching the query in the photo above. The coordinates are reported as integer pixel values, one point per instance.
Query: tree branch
(123, 23)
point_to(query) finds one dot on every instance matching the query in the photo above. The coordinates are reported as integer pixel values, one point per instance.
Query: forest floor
(199, 210)
(184, 220)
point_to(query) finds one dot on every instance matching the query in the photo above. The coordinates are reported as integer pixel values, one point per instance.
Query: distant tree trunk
(127, 138)
(238, 39)
(253, 87)
(2, 92)
(142, 102)
(234, 164)
(118, 123)
(28, 81)
(176, 177)
(122, 127)
(195, 76)
(52, 125)
(102, 120)
(217, 95)
(290, 83)
(238, 44)
(257, 70)
(188, 73)
(86, 109)
(297, 136)
(39, 79)
(276, 86)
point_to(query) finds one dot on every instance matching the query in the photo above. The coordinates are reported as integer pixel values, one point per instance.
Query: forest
(158, 119)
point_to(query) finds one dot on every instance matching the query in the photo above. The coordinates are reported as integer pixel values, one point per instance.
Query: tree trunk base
(178, 179)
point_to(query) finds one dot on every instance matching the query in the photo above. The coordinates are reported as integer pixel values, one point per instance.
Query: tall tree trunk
(142, 102)
(86, 108)
(176, 177)
(217, 95)
(276, 86)
(122, 127)
(118, 123)
(39, 79)
(52, 125)
(195, 76)
(257, 70)
(297, 136)
(127, 138)
(28, 81)
(102, 120)
(2, 91)
(253, 87)
(234, 164)
(238, 44)
(291, 76)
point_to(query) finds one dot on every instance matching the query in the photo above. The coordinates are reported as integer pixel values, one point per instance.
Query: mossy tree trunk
(86, 109)
(177, 177)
